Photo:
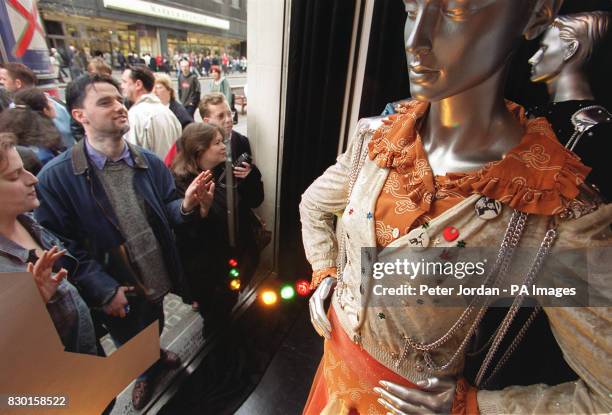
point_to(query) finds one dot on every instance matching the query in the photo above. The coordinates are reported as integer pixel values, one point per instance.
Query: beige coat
(584, 334)
(152, 125)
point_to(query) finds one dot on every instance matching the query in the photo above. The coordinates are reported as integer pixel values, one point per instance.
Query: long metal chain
(515, 343)
(511, 239)
(543, 251)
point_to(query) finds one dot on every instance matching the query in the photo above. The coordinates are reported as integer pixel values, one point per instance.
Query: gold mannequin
(457, 53)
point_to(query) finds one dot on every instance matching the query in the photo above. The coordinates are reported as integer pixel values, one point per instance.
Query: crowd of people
(110, 208)
(73, 62)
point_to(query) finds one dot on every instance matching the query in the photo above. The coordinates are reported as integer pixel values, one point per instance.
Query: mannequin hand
(318, 317)
(435, 395)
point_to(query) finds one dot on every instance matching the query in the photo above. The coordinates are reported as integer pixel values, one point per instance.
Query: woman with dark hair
(25, 246)
(31, 120)
(205, 245)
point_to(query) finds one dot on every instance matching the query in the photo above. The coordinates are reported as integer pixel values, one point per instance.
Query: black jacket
(189, 89)
(203, 244)
(181, 113)
(593, 148)
(255, 193)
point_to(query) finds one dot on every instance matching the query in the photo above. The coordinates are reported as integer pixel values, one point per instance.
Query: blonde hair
(99, 66)
(164, 80)
(212, 98)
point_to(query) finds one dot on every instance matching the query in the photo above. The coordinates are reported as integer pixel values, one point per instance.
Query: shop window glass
(53, 28)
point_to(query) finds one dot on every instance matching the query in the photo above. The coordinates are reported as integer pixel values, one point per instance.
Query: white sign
(165, 12)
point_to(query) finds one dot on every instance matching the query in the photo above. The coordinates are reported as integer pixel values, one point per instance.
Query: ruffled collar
(538, 176)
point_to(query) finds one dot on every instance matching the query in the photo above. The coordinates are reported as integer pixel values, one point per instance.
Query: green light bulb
(287, 292)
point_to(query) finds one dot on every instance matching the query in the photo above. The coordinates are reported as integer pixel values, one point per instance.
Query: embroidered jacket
(582, 333)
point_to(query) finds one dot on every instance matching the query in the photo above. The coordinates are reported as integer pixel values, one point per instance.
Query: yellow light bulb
(269, 297)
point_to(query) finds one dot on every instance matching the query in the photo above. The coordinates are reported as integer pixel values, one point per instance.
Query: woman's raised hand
(206, 197)
(46, 281)
(196, 187)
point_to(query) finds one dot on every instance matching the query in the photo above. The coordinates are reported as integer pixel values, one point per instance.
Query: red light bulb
(302, 287)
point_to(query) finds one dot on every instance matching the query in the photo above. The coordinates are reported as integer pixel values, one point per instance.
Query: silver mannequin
(457, 53)
(564, 52)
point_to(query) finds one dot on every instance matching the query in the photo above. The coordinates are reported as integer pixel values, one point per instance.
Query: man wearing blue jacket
(114, 204)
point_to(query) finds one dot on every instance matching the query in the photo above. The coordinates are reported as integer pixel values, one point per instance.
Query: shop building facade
(145, 26)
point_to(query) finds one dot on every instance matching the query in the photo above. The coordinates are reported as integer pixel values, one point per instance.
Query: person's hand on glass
(205, 197)
(197, 186)
(243, 170)
(316, 304)
(46, 281)
(433, 396)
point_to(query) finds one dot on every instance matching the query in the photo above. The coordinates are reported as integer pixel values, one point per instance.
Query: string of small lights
(270, 296)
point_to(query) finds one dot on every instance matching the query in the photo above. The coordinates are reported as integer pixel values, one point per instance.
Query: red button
(450, 233)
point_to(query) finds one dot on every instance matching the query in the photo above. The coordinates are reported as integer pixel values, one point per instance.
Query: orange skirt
(346, 377)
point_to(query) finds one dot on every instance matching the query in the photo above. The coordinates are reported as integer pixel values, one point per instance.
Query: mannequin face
(548, 61)
(455, 45)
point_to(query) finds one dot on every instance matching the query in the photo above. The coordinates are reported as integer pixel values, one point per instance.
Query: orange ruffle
(538, 176)
(393, 144)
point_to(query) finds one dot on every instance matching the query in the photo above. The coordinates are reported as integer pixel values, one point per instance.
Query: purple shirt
(99, 159)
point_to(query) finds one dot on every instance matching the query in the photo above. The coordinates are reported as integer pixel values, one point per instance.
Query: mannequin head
(453, 46)
(568, 45)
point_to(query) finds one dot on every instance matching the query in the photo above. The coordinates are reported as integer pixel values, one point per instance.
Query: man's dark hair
(20, 71)
(77, 89)
(143, 74)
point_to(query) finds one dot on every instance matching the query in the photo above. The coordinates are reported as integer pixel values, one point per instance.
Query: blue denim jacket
(68, 311)
(74, 205)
